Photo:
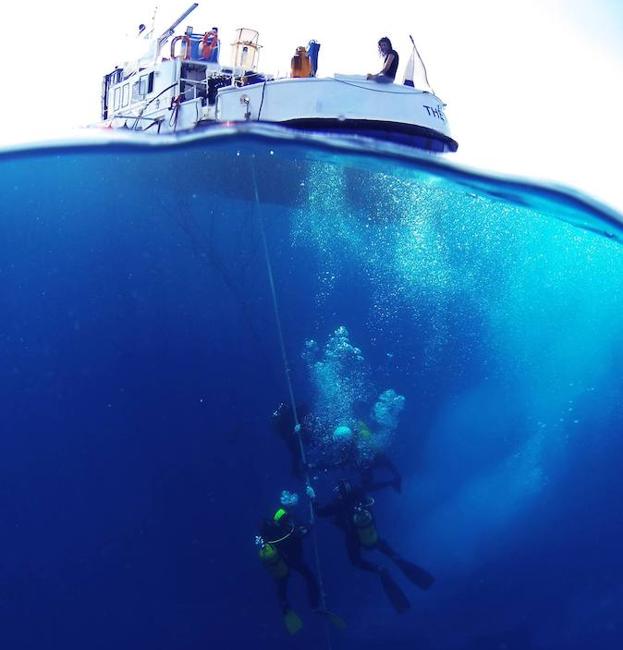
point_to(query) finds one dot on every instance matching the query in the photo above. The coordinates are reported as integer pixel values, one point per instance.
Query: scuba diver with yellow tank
(351, 511)
(280, 549)
(367, 464)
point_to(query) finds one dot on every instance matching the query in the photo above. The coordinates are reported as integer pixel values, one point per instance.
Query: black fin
(334, 619)
(394, 593)
(292, 621)
(418, 576)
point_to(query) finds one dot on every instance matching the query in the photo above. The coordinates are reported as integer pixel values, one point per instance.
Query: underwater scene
(274, 391)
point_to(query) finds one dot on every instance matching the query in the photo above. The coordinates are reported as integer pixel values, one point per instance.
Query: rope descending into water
(297, 424)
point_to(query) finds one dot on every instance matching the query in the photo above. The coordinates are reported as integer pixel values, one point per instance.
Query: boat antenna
(422, 62)
(153, 22)
(164, 37)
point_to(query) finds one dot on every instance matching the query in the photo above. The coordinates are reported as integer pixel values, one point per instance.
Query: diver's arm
(379, 485)
(301, 530)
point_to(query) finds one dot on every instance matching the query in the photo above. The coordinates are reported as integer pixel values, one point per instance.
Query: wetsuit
(379, 461)
(283, 424)
(291, 550)
(342, 510)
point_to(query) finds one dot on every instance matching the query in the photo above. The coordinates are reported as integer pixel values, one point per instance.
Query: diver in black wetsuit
(281, 550)
(351, 458)
(381, 461)
(351, 512)
(283, 423)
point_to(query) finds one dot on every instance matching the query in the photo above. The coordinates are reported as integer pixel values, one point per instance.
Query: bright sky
(533, 87)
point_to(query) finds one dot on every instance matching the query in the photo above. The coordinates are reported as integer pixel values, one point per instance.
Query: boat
(178, 84)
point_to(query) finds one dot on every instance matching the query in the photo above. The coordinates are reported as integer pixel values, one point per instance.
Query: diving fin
(338, 622)
(292, 621)
(418, 576)
(394, 592)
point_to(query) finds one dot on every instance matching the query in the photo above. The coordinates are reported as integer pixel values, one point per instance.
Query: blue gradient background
(140, 365)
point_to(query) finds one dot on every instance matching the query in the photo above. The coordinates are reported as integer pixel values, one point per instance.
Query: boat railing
(132, 122)
(193, 83)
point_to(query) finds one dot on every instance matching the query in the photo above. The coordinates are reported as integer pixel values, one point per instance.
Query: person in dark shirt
(351, 511)
(390, 62)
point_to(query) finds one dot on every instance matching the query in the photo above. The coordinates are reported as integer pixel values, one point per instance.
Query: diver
(366, 464)
(280, 547)
(381, 461)
(351, 512)
(346, 441)
(284, 424)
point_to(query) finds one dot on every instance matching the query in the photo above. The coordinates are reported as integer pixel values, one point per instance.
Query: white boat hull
(342, 103)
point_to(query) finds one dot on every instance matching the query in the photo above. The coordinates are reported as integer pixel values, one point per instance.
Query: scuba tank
(364, 525)
(364, 430)
(272, 561)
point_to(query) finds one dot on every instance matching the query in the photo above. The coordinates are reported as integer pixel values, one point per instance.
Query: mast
(150, 33)
(164, 37)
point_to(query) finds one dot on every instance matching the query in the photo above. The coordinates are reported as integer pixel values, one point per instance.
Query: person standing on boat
(390, 62)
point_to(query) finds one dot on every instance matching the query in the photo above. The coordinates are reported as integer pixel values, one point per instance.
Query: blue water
(140, 365)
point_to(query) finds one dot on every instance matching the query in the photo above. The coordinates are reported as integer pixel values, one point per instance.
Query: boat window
(138, 89)
(125, 98)
(117, 99)
(143, 85)
(116, 76)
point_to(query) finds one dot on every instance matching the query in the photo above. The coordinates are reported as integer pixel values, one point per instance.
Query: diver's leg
(418, 576)
(354, 555)
(369, 484)
(313, 590)
(393, 592)
(381, 460)
(282, 593)
(386, 549)
(374, 486)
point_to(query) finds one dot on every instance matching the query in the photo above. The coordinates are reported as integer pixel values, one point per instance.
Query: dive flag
(408, 80)
(415, 72)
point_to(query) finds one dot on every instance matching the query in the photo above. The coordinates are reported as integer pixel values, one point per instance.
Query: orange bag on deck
(300, 64)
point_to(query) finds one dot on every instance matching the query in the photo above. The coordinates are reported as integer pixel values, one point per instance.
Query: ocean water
(474, 323)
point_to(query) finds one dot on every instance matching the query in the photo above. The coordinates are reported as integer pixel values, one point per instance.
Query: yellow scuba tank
(273, 562)
(364, 525)
(364, 430)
